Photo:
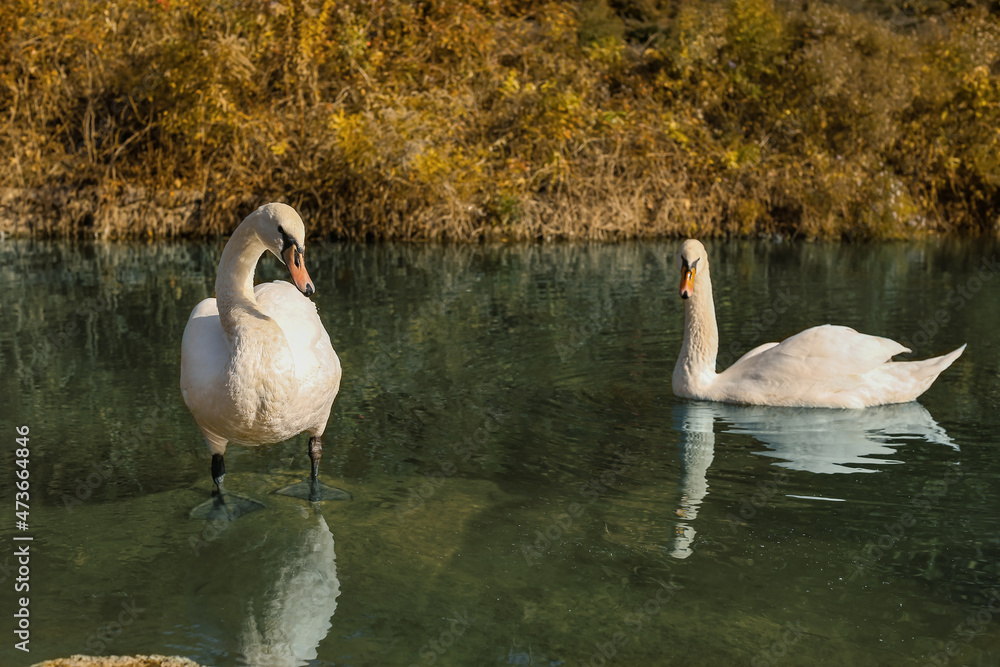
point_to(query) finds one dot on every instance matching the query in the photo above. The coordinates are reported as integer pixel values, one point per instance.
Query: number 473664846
(21, 472)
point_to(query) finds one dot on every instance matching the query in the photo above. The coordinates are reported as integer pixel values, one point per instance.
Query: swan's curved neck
(234, 282)
(695, 367)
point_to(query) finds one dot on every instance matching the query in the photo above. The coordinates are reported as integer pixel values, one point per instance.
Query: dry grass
(499, 119)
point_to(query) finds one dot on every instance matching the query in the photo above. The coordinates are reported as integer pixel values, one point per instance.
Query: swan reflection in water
(819, 440)
(285, 626)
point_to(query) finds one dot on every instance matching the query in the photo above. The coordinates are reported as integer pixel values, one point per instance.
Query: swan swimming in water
(823, 367)
(257, 365)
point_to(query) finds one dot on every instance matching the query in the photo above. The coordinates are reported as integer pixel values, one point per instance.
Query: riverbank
(119, 661)
(449, 120)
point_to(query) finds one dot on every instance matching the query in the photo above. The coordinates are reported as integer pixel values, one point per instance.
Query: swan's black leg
(223, 506)
(313, 490)
(218, 473)
(315, 455)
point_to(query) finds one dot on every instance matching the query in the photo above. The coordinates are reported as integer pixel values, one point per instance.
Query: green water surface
(527, 489)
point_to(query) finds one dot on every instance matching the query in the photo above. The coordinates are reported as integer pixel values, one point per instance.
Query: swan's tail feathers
(904, 381)
(934, 367)
(923, 373)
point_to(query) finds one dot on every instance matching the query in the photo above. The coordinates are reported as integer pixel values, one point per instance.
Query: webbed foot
(225, 507)
(314, 491)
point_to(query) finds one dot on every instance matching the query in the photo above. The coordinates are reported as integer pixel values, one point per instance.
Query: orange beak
(687, 282)
(296, 263)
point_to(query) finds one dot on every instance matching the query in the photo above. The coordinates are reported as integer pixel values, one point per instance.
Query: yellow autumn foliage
(508, 118)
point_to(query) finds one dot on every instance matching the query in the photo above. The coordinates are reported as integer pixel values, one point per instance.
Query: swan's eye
(286, 240)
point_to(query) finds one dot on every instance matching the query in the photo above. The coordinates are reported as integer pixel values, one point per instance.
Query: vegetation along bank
(501, 119)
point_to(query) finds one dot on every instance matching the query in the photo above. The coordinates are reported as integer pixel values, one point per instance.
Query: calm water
(527, 490)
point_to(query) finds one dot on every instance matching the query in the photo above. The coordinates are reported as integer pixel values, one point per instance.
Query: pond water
(526, 488)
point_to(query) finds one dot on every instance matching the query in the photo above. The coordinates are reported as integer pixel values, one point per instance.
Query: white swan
(257, 366)
(825, 367)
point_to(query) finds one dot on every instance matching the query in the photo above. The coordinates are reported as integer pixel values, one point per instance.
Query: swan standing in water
(824, 367)
(257, 366)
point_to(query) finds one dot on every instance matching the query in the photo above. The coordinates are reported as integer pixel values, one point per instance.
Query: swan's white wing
(827, 350)
(205, 350)
(821, 366)
(755, 351)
